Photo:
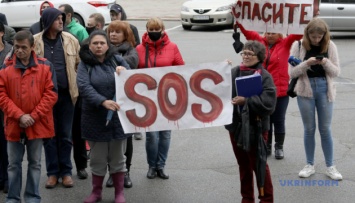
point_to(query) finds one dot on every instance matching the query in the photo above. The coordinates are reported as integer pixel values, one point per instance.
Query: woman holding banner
(107, 140)
(277, 54)
(156, 50)
(316, 92)
(255, 114)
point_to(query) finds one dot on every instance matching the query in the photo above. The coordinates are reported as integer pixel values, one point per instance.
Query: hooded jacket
(38, 26)
(32, 92)
(70, 45)
(161, 53)
(96, 84)
(9, 31)
(278, 62)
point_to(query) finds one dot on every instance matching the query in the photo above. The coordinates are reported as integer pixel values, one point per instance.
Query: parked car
(23, 13)
(339, 14)
(206, 13)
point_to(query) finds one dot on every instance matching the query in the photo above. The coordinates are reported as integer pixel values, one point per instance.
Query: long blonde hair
(318, 26)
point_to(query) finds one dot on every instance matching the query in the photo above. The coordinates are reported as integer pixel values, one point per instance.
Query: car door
(326, 12)
(20, 13)
(344, 15)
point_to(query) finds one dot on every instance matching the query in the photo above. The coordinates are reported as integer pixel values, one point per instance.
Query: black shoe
(151, 173)
(127, 181)
(82, 174)
(109, 182)
(268, 149)
(6, 187)
(162, 174)
(279, 153)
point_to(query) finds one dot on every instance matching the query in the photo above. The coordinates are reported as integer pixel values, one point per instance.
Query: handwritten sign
(278, 16)
(176, 97)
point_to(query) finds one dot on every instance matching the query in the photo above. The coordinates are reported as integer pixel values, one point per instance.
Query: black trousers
(4, 162)
(79, 145)
(129, 153)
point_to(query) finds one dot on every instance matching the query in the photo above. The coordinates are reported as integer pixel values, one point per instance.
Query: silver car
(206, 13)
(339, 14)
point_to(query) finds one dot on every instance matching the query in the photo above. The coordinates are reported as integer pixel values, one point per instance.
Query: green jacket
(77, 30)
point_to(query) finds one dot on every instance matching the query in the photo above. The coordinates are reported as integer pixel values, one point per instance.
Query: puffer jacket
(34, 92)
(331, 67)
(71, 47)
(96, 84)
(160, 53)
(278, 62)
(128, 52)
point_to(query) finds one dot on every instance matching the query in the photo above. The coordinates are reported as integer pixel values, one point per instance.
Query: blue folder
(250, 85)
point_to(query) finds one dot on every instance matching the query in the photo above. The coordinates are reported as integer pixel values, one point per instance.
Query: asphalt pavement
(201, 163)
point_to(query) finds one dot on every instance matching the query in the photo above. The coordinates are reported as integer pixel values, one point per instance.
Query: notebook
(250, 85)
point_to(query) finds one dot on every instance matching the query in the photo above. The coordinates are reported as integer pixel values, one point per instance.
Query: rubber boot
(279, 142)
(96, 193)
(269, 143)
(118, 181)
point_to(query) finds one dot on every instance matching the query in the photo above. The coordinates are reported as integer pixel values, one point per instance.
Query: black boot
(109, 182)
(279, 142)
(127, 179)
(269, 144)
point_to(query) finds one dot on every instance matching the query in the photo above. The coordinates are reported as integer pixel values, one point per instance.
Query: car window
(344, 1)
(325, 1)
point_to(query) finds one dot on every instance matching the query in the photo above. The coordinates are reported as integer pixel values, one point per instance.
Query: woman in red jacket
(276, 63)
(156, 50)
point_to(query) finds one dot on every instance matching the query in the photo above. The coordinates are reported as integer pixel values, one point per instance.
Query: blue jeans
(58, 149)
(157, 146)
(15, 151)
(308, 107)
(3, 157)
(277, 118)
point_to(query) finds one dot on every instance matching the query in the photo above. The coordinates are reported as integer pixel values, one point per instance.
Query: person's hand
(26, 121)
(313, 61)
(119, 69)
(111, 105)
(228, 61)
(238, 100)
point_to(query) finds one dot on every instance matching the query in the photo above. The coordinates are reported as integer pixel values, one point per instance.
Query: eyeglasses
(248, 54)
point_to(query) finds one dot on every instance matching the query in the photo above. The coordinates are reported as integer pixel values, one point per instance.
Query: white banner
(176, 97)
(278, 16)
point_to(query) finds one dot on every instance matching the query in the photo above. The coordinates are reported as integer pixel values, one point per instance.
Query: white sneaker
(333, 173)
(307, 171)
(137, 136)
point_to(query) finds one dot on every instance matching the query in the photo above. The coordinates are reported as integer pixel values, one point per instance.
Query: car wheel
(79, 19)
(187, 27)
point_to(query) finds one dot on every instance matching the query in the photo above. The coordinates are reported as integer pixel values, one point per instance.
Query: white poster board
(176, 97)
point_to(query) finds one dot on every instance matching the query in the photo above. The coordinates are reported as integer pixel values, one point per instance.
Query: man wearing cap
(118, 13)
(62, 49)
(37, 27)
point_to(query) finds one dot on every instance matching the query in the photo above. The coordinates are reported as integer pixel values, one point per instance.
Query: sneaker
(307, 171)
(137, 136)
(333, 173)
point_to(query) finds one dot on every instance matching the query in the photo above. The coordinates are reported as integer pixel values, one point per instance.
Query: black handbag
(291, 88)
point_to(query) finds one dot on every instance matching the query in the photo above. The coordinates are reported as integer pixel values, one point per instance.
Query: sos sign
(185, 86)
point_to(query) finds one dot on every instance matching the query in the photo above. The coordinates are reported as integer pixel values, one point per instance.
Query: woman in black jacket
(107, 140)
(258, 107)
(122, 39)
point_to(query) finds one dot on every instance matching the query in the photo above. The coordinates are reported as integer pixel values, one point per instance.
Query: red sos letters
(170, 111)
